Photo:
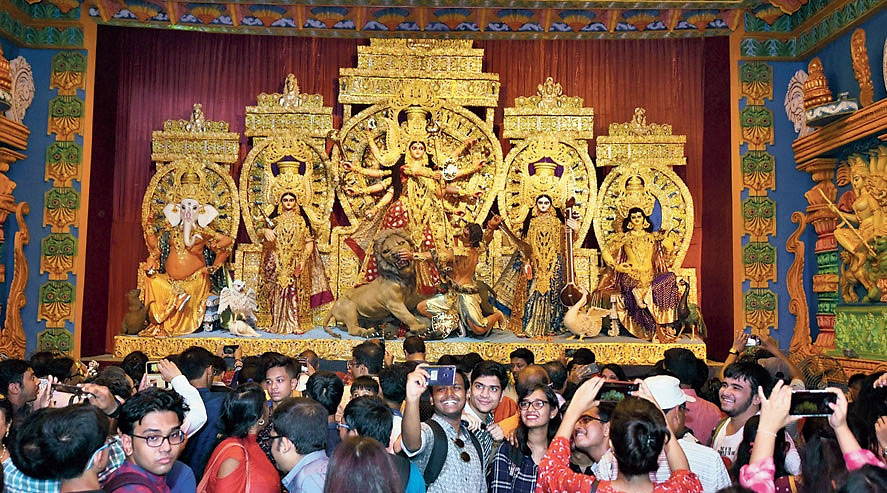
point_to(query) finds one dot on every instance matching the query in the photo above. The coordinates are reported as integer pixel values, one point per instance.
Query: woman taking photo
(238, 463)
(638, 433)
(514, 468)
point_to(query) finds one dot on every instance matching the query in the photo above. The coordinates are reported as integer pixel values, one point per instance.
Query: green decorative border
(758, 209)
(64, 160)
(794, 37)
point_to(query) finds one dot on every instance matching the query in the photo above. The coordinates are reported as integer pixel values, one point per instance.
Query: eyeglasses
(586, 418)
(174, 438)
(275, 437)
(462, 455)
(537, 404)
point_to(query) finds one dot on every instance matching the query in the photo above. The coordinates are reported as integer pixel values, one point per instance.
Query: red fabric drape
(145, 77)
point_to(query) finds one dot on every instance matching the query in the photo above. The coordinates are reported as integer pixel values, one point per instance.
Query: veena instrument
(570, 294)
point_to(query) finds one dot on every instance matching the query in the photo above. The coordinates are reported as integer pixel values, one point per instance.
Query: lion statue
(393, 293)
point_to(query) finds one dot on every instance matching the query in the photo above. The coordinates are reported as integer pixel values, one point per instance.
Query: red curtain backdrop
(145, 77)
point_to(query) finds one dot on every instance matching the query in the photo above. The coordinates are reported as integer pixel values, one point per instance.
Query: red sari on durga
(419, 217)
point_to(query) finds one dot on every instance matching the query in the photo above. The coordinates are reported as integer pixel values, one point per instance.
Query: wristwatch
(733, 351)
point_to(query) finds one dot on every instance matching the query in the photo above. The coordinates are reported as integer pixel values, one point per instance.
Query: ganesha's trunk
(189, 241)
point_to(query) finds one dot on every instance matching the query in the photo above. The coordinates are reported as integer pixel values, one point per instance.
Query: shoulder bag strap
(438, 453)
(211, 467)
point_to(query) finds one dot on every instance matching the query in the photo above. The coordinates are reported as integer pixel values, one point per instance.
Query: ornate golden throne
(200, 147)
(549, 134)
(641, 156)
(288, 131)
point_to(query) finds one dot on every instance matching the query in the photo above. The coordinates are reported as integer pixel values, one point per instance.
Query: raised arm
(411, 426)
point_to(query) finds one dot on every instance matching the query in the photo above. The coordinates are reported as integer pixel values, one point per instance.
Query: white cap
(667, 391)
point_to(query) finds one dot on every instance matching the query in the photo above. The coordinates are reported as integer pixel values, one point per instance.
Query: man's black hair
(475, 234)
(524, 354)
(60, 368)
(365, 382)
(370, 355)
(413, 345)
(115, 379)
(12, 371)
(582, 356)
(369, 417)
(469, 361)
(39, 362)
(194, 361)
(557, 373)
(57, 443)
(276, 360)
(393, 382)
(326, 388)
(490, 368)
(152, 399)
(753, 373)
(134, 366)
(302, 421)
(856, 377)
(682, 363)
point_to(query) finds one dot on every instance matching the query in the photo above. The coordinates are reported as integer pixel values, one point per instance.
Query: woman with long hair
(238, 463)
(514, 469)
(293, 274)
(743, 453)
(361, 464)
(638, 433)
(531, 286)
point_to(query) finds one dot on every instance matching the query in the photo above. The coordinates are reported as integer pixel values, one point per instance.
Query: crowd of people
(273, 423)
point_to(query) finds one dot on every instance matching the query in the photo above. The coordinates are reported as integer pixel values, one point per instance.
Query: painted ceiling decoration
(774, 29)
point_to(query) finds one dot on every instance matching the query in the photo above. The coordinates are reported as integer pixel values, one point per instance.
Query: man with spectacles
(591, 439)
(150, 430)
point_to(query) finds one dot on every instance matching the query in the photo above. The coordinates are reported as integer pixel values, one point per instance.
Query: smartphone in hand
(812, 403)
(444, 375)
(616, 391)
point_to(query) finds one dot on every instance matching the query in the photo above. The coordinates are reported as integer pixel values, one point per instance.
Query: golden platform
(619, 350)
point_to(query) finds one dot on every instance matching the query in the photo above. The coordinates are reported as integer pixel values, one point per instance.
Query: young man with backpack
(449, 456)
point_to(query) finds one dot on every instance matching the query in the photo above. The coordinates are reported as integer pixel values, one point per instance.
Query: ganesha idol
(182, 255)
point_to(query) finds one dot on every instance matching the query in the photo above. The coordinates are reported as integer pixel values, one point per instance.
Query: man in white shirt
(740, 401)
(704, 461)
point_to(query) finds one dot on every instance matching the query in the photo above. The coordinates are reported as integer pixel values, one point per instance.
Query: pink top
(758, 477)
(702, 416)
(555, 475)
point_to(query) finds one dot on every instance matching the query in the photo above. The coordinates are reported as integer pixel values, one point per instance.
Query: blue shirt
(180, 479)
(309, 475)
(416, 484)
(201, 445)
